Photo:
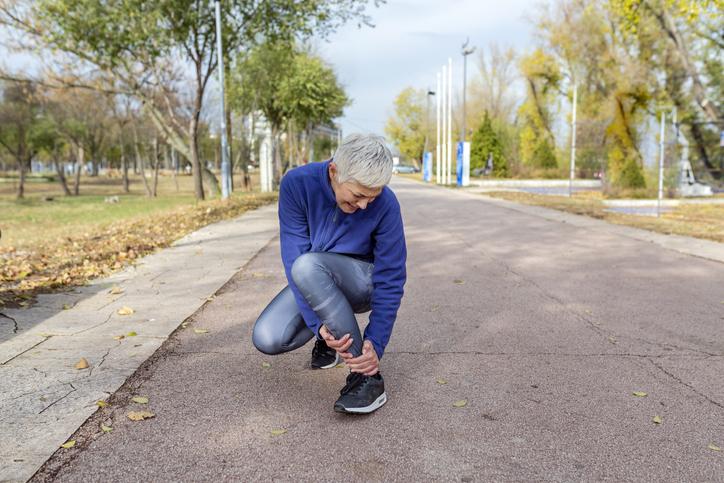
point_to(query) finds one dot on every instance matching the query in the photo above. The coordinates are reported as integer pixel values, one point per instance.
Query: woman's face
(351, 196)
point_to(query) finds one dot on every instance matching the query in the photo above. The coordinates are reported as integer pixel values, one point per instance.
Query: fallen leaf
(612, 340)
(101, 404)
(657, 419)
(461, 403)
(278, 432)
(441, 381)
(340, 365)
(201, 331)
(131, 334)
(265, 365)
(67, 306)
(115, 290)
(458, 281)
(209, 299)
(639, 394)
(140, 399)
(82, 363)
(185, 324)
(139, 415)
(119, 337)
(68, 444)
(125, 311)
(713, 447)
(106, 429)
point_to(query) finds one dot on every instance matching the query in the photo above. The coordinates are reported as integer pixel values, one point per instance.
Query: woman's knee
(305, 265)
(264, 339)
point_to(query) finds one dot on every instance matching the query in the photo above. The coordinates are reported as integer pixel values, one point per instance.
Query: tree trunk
(156, 160)
(141, 162)
(79, 168)
(276, 157)
(61, 174)
(124, 168)
(211, 181)
(196, 167)
(669, 26)
(174, 166)
(21, 182)
(700, 144)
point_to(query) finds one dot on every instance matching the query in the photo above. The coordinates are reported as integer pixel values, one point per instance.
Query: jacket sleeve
(295, 240)
(388, 277)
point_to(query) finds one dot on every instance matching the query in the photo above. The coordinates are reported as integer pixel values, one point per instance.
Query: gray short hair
(364, 158)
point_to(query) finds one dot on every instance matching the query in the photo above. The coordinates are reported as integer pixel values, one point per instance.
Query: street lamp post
(465, 51)
(427, 118)
(225, 165)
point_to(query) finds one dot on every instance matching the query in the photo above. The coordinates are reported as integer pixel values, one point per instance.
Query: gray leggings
(335, 286)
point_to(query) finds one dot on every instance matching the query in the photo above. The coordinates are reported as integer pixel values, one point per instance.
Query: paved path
(44, 398)
(544, 326)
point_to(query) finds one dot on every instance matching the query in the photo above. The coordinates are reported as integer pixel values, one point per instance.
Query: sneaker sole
(378, 403)
(329, 366)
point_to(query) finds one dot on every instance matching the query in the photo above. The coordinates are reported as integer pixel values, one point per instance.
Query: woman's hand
(341, 346)
(368, 363)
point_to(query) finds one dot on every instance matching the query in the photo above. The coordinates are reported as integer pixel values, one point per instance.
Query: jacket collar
(326, 183)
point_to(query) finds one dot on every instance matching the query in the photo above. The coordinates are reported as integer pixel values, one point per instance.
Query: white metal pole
(451, 151)
(437, 147)
(225, 163)
(661, 165)
(573, 142)
(444, 124)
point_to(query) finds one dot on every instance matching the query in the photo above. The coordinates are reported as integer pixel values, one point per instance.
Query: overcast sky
(410, 42)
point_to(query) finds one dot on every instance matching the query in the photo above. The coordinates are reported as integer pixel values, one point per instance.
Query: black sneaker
(322, 356)
(362, 394)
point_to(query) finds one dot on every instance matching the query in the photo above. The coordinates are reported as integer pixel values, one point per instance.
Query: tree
(486, 143)
(292, 88)
(542, 77)
(492, 90)
(134, 46)
(18, 114)
(312, 96)
(406, 126)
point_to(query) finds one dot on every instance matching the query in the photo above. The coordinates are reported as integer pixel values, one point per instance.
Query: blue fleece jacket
(311, 221)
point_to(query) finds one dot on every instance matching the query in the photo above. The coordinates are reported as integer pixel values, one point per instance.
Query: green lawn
(45, 214)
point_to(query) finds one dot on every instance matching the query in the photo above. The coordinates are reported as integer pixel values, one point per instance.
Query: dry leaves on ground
(139, 415)
(74, 261)
(82, 364)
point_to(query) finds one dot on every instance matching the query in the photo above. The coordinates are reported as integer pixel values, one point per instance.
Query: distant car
(405, 169)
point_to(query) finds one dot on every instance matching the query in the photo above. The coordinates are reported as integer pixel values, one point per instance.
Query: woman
(343, 249)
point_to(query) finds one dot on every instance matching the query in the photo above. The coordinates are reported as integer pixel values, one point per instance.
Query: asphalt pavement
(540, 329)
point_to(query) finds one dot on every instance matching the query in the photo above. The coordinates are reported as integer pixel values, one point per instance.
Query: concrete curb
(44, 399)
(694, 201)
(534, 183)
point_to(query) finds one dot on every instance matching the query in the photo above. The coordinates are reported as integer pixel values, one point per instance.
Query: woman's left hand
(368, 363)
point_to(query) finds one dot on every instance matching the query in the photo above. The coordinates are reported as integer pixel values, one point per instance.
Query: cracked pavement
(544, 323)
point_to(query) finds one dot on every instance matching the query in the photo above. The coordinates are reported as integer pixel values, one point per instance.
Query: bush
(544, 156)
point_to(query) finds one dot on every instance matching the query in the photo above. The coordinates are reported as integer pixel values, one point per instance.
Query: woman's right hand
(341, 345)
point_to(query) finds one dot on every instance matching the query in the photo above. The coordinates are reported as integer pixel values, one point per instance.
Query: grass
(704, 221)
(53, 242)
(26, 223)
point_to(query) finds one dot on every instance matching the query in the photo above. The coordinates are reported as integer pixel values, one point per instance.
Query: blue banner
(427, 166)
